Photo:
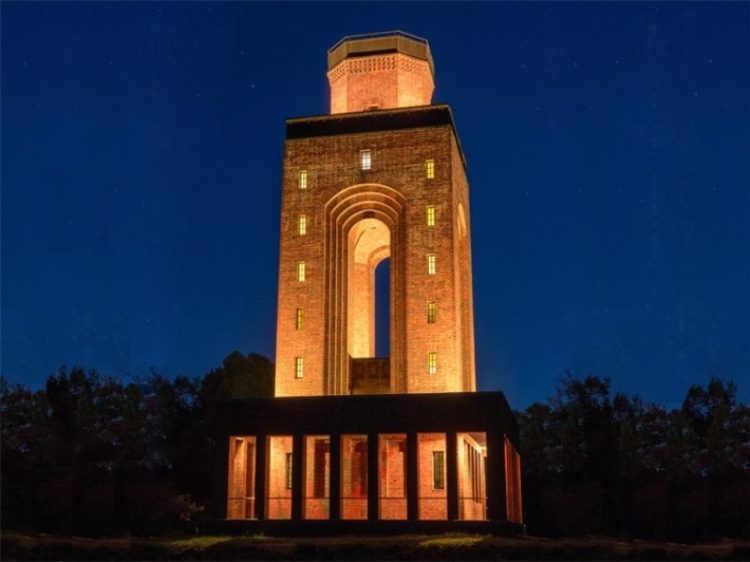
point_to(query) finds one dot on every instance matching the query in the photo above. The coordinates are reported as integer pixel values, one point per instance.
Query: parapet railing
(376, 36)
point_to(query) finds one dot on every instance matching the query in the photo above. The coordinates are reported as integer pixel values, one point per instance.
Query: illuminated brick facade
(351, 438)
(379, 72)
(369, 180)
(408, 461)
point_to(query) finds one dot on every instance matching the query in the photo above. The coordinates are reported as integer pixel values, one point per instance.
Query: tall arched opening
(364, 228)
(369, 244)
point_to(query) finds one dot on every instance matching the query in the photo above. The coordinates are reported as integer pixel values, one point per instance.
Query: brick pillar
(412, 473)
(334, 487)
(495, 477)
(372, 476)
(297, 475)
(451, 454)
(260, 476)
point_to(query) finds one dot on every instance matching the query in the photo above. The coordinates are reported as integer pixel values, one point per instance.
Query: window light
(429, 169)
(432, 362)
(430, 216)
(365, 159)
(431, 264)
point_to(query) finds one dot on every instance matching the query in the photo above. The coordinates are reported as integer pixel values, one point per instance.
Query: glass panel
(241, 482)
(365, 159)
(431, 312)
(317, 477)
(354, 476)
(471, 449)
(431, 264)
(279, 478)
(433, 501)
(432, 362)
(430, 169)
(392, 468)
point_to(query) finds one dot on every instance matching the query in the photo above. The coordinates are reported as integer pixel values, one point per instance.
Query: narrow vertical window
(365, 159)
(300, 271)
(432, 362)
(299, 367)
(431, 312)
(302, 179)
(302, 224)
(431, 216)
(431, 264)
(299, 319)
(429, 169)
(438, 470)
(288, 471)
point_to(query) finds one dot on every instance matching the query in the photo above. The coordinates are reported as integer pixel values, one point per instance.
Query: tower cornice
(373, 121)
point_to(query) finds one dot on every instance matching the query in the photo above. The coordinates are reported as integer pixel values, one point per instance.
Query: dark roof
(366, 413)
(378, 43)
(372, 121)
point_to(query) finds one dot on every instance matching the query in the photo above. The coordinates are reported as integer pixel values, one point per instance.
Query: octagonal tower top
(380, 71)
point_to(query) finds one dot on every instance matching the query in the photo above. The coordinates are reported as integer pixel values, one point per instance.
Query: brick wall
(380, 82)
(396, 192)
(278, 496)
(392, 478)
(433, 502)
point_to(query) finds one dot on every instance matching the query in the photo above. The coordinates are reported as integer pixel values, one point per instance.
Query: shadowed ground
(16, 546)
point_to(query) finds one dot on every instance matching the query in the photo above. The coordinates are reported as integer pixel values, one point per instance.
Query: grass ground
(17, 546)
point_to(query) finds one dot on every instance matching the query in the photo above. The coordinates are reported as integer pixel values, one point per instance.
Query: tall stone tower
(381, 177)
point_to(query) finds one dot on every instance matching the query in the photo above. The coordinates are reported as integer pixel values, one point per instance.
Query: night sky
(608, 150)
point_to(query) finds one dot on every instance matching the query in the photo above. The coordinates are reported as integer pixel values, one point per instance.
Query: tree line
(594, 463)
(91, 455)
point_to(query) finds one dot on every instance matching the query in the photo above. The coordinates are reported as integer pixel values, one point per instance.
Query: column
(452, 475)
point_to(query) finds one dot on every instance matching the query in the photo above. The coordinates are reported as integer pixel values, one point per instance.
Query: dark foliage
(90, 455)
(600, 464)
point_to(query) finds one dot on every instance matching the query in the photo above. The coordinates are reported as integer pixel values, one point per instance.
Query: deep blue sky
(607, 148)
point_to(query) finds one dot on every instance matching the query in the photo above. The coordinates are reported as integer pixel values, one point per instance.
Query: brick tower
(382, 176)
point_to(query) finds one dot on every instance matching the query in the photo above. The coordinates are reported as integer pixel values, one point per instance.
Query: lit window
(438, 470)
(300, 271)
(289, 471)
(432, 362)
(431, 264)
(302, 224)
(429, 169)
(365, 159)
(431, 312)
(430, 216)
(302, 179)
(299, 319)
(299, 367)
